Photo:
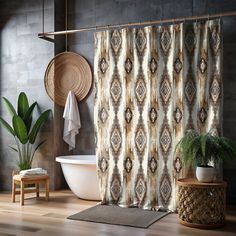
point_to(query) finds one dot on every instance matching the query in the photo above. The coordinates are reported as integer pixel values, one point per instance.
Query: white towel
(33, 171)
(72, 122)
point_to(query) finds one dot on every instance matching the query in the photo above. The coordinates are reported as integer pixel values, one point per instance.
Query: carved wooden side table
(201, 205)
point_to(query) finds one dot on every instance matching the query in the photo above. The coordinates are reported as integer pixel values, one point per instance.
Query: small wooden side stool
(24, 180)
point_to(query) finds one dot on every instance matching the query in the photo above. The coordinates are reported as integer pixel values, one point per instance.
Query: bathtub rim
(77, 159)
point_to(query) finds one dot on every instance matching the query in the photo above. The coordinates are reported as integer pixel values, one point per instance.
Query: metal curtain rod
(102, 27)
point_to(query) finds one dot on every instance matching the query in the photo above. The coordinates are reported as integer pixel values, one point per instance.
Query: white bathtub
(80, 173)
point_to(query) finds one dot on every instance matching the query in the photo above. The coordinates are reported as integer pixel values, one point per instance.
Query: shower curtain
(151, 85)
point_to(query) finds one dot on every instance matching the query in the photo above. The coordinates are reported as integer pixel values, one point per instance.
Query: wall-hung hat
(66, 72)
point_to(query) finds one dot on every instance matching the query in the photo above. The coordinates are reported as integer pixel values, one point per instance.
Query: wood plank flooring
(38, 217)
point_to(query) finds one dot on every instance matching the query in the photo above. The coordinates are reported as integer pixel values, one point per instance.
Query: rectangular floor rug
(116, 215)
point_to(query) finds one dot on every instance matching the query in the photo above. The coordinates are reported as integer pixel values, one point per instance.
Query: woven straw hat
(67, 71)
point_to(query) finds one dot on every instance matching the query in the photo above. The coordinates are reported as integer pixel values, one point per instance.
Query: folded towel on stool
(33, 171)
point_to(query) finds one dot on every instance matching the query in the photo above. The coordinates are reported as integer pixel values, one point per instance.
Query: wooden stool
(24, 180)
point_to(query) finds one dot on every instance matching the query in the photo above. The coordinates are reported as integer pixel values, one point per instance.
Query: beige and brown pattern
(151, 85)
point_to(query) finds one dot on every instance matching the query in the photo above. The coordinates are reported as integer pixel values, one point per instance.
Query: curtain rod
(102, 27)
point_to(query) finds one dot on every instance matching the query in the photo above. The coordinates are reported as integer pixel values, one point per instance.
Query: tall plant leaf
(28, 116)
(14, 149)
(20, 129)
(39, 145)
(24, 164)
(7, 126)
(23, 104)
(11, 110)
(34, 132)
(35, 149)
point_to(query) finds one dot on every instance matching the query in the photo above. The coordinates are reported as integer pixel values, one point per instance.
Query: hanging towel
(72, 122)
(33, 171)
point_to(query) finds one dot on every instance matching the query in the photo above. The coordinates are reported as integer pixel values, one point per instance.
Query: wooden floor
(39, 217)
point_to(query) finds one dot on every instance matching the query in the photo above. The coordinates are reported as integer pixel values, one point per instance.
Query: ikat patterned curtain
(151, 85)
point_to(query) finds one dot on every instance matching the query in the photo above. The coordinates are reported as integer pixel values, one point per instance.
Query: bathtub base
(81, 177)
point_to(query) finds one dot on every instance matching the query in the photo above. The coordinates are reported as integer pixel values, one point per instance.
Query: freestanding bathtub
(80, 173)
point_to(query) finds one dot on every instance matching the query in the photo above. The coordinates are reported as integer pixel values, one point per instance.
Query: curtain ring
(208, 21)
(119, 27)
(221, 20)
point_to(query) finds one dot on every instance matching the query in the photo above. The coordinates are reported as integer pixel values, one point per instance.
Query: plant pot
(205, 174)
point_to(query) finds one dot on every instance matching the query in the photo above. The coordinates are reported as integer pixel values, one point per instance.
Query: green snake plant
(23, 130)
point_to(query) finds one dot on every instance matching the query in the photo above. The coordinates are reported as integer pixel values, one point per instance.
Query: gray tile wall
(24, 58)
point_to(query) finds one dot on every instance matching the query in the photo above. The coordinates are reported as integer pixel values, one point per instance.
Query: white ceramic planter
(205, 174)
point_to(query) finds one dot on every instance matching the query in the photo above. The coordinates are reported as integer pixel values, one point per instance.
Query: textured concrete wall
(23, 60)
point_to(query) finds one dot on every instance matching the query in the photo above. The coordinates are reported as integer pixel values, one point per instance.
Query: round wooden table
(201, 205)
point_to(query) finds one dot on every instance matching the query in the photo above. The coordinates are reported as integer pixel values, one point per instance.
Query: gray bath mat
(116, 215)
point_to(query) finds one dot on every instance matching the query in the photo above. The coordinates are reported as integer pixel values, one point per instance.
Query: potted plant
(22, 129)
(203, 150)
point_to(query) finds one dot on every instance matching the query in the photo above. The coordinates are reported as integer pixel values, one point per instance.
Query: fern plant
(202, 148)
(22, 129)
